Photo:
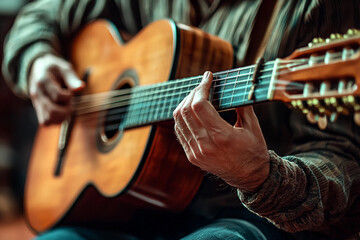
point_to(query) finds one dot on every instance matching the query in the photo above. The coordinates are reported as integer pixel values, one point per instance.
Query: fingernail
(76, 83)
(206, 74)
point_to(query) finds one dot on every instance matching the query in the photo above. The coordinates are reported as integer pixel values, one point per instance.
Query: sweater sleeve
(44, 27)
(317, 187)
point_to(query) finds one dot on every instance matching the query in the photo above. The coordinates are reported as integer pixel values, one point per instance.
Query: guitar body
(105, 177)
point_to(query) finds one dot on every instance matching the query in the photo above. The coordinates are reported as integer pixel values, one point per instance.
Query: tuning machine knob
(351, 32)
(316, 41)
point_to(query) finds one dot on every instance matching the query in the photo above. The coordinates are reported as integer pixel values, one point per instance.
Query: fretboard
(230, 89)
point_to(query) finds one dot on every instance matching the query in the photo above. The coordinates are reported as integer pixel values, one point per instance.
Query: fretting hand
(52, 84)
(237, 154)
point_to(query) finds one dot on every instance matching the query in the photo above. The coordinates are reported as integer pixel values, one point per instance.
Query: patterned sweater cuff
(27, 58)
(256, 200)
(283, 199)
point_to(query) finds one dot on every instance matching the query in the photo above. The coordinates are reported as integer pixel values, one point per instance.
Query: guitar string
(137, 106)
(166, 99)
(129, 96)
(109, 105)
(86, 109)
(136, 114)
(125, 101)
(215, 87)
(147, 94)
(92, 97)
(134, 119)
(150, 87)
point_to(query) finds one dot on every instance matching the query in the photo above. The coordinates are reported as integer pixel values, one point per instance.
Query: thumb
(71, 80)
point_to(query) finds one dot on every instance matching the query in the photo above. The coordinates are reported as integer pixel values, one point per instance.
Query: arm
(315, 188)
(43, 27)
(36, 47)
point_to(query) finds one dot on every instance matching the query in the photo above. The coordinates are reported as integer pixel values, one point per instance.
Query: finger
(182, 128)
(54, 91)
(239, 121)
(204, 111)
(184, 144)
(70, 78)
(47, 111)
(204, 87)
(247, 117)
(197, 130)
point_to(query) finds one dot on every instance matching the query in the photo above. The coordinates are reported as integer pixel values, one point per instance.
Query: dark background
(17, 129)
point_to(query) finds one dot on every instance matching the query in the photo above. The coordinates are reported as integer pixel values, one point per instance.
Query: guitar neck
(230, 89)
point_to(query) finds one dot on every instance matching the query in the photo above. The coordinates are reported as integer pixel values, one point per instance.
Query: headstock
(323, 79)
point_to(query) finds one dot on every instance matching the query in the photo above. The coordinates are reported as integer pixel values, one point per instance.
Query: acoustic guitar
(118, 153)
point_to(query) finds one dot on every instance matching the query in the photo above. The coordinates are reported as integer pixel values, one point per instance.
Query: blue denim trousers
(220, 229)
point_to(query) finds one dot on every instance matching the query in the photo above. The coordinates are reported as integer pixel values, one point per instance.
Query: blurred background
(17, 130)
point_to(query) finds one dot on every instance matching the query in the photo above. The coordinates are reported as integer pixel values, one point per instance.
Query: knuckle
(33, 94)
(192, 160)
(185, 111)
(40, 83)
(56, 96)
(46, 120)
(206, 150)
(197, 106)
(199, 138)
(176, 114)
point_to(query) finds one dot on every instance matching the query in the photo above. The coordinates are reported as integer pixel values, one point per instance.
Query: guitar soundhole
(115, 117)
(112, 121)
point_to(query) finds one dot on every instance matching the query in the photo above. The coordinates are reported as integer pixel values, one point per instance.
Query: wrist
(252, 178)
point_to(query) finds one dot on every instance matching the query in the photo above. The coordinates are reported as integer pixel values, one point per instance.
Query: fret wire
(150, 107)
(244, 98)
(233, 92)
(121, 116)
(233, 89)
(157, 93)
(222, 92)
(80, 99)
(169, 111)
(146, 88)
(184, 93)
(171, 95)
(236, 76)
(141, 95)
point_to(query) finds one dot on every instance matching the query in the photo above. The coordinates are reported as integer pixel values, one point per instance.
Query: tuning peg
(357, 118)
(334, 36)
(352, 32)
(316, 41)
